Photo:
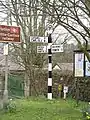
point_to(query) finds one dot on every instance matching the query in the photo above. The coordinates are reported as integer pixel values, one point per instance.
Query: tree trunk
(26, 85)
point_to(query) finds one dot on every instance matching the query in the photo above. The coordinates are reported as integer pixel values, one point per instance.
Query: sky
(60, 33)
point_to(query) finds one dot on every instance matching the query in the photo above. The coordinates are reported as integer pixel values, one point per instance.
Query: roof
(56, 67)
(61, 66)
(66, 66)
(12, 66)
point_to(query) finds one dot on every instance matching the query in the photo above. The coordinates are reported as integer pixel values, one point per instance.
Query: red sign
(9, 33)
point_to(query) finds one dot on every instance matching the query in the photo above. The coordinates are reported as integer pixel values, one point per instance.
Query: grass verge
(42, 109)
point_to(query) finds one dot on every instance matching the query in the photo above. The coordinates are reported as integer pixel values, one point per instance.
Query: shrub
(10, 106)
(86, 112)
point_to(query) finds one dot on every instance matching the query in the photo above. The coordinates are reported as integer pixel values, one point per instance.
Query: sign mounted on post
(57, 48)
(9, 33)
(54, 49)
(38, 39)
(41, 49)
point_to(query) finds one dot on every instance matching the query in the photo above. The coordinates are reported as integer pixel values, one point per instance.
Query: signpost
(8, 34)
(47, 49)
(50, 49)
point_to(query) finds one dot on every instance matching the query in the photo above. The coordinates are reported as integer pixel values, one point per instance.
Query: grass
(42, 109)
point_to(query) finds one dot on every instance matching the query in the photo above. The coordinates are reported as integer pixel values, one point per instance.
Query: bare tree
(73, 15)
(24, 13)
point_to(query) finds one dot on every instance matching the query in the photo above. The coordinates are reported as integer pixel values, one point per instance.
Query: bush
(86, 112)
(10, 106)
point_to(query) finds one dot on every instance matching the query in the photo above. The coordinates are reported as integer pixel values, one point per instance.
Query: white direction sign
(41, 49)
(54, 48)
(38, 39)
(57, 48)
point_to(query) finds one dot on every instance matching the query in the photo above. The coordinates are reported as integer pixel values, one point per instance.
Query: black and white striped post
(49, 67)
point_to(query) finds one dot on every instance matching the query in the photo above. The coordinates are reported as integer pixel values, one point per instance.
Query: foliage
(70, 14)
(10, 106)
(39, 87)
(86, 112)
(42, 109)
(24, 14)
(83, 88)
